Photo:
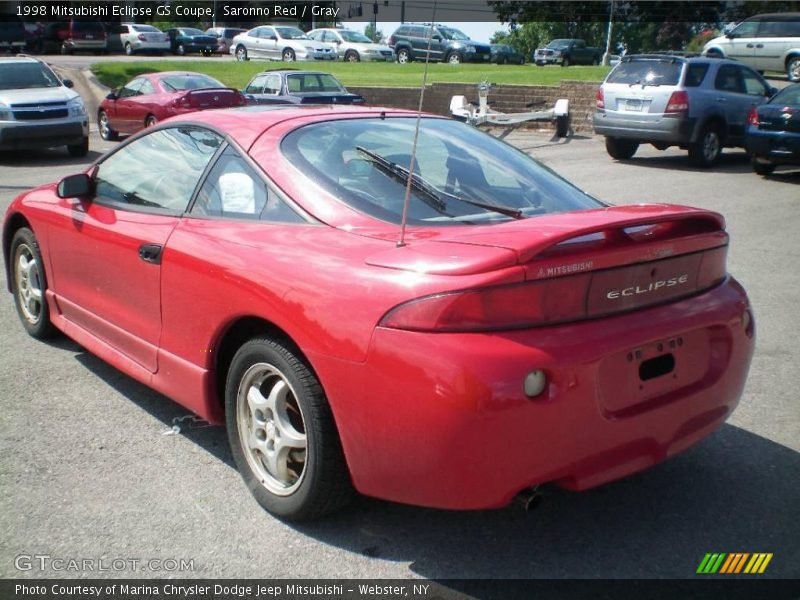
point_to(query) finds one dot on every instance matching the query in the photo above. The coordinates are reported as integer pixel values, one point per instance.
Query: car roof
(691, 58)
(290, 71)
(15, 59)
(247, 123)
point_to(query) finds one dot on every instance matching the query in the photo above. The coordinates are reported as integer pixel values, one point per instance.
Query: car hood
(37, 95)
(717, 40)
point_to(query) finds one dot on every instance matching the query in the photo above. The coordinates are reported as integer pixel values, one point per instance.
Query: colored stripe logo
(735, 562)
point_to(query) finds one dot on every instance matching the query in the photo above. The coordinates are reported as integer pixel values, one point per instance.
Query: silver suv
(696, 103)
(764, 42)
(38, 109)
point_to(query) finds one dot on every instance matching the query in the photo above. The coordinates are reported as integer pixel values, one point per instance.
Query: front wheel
(793, 69)
(352, 56)
(761, 168)
(128, 49)
(104, 125)
(454, 58)
(565, 62)
(403, 56)
(29, 284)
(288, 55)
(621, 149)
(241, 53)
(708, 148)
(282, 433)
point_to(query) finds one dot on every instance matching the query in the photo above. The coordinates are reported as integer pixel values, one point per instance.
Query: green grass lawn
(237, 74)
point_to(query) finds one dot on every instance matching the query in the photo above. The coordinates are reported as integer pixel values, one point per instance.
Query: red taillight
(752, 118)
(502, 307)
(599, 98)
(241, 100)
(678, 103)
(142, 37)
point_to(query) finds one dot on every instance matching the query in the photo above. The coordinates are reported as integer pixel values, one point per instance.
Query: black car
(410, 42)
(773, 131)
(290, 86)
(184, 40)
(503, 54)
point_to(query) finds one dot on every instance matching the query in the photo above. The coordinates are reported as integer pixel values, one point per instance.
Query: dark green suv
(410, 42)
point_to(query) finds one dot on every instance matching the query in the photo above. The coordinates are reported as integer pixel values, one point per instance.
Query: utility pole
(606, 57)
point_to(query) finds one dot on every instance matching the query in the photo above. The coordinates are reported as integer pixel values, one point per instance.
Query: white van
(765, 42)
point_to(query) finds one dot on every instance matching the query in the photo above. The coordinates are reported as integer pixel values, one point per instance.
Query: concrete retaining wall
(504, 98)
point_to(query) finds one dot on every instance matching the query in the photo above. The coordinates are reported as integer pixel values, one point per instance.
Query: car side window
(695, 74)
(746, 29)
(256, 86)
(233, 189)
(330, 37)
(159, 170)
(316, 35)
(267, 32)
(779, 29)
(146, 88)
(131, 88)
(729, 79)
(753, 85)
(273, 85)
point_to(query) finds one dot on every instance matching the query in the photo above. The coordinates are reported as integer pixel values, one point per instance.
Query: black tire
(129, 49)
(180, 50)
(150, 121)
(761, 168)
(454, 58)
(241, 53)
(707, 150)
(352, 56)
(81, 149)
(620, 149)
(595, 61)
(34, 315)
(104, 125)
(288, 55)
(793, 69)
(323, 485)
(562, 126)
(565, 62)
(404, 56)
(65, 49)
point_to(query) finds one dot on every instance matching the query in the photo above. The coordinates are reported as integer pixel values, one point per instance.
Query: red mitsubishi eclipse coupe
(246, 263)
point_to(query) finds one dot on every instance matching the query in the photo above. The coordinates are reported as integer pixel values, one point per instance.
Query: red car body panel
(435, 419)
(128, 115)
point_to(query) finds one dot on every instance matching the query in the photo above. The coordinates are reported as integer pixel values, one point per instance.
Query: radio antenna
(402, 241)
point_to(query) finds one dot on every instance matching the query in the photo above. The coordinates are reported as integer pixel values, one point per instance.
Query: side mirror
(68, 83)
(730, 35)
(274, 38)
(436, 37)
(74, 186)
(772, 91)
(112, 95)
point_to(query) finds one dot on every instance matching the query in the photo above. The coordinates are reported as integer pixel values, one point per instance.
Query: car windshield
(558, 44)
(361, 161)
(313, 82)
(789, 95)
(147, 28)
(15, 76)
(291, 33)
(449, 33)
(191, 31)
(193, 81)
(355, 37)
(646, 72)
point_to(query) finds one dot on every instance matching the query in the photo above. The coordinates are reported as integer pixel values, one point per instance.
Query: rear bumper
(778, 147)
(642, 128)
(20, 135)
(441, 419)
(85, 44)
(141, 46)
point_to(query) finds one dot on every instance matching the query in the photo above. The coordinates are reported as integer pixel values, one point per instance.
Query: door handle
(759, 45)
(749, 45)
(721, 100)
(151, 253)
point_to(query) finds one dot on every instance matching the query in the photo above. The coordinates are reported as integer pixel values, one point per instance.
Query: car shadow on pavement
(729, 162)
(46, 158)
(734, 492)
(212, 439)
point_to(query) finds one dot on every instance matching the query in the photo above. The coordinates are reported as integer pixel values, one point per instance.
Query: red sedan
(148, 99)
(250, 264)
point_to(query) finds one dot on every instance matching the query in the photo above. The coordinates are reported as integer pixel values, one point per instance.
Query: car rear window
(455, 161)
(194, 81)
(789, 95)
(313, 82)
(147, 28)
(88, 27)
(646, 72)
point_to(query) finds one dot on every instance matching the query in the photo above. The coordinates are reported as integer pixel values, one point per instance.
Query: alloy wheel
(28, 280)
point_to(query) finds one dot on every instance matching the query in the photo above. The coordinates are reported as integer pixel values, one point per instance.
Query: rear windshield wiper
(431, 194)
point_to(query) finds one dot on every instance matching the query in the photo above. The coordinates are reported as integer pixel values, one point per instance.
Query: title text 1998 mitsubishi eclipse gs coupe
(245, 262)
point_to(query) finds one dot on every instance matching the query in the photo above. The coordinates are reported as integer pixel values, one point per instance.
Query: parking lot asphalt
(87, 469)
